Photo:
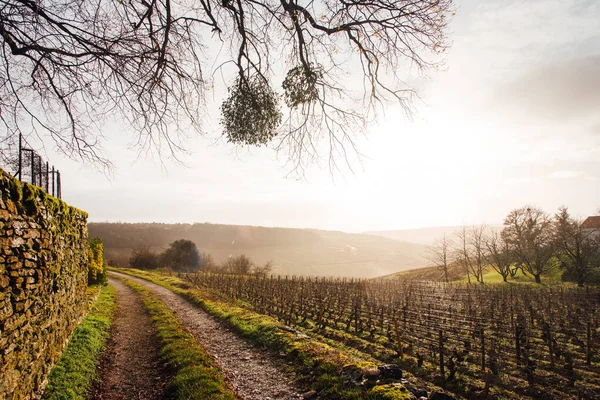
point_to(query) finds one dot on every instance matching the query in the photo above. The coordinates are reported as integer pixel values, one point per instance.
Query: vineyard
(519, 340)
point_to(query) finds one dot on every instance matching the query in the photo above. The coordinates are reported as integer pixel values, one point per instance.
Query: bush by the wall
(97, 269)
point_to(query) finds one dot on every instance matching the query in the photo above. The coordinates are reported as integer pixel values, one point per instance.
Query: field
(515, 341)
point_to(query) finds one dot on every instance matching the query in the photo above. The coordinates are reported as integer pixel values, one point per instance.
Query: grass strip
(196, 375)
(73, 374)
(320, 364)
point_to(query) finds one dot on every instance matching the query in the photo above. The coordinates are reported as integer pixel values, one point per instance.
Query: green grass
(196, 375)
(491, 276)
(74, 373)
(318, 363)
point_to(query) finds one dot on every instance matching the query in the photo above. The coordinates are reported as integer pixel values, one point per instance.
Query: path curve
(130, 368)
(253, 373)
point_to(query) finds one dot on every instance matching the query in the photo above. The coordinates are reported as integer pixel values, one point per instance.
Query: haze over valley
(292, 251)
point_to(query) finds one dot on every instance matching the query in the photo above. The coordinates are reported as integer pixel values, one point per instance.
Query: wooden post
(589, 344)
(441, 350)
(518, 343)
(482, 337)
(399, 339)
(550, 347)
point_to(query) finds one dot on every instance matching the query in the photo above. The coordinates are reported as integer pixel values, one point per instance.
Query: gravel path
(253, 373)
(130, 367)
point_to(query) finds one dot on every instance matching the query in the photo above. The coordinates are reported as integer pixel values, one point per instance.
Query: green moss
(196, 376)
(15, 189)
(30, 199)
(391, 392)
(74, 373)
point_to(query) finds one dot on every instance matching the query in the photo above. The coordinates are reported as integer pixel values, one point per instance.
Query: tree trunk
(505, 278)
(538, 278)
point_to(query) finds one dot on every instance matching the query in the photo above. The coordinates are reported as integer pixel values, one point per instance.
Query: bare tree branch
(68, 65)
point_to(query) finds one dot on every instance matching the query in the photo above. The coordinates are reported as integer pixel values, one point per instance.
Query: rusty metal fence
(32, 168)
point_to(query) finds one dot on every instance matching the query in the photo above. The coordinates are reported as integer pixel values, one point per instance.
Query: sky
(512, 119)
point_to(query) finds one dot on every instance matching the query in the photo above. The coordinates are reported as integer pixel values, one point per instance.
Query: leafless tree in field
(68, 65)
(529, 232)
(477, 243)
(463, 252)
(470, 253)
(440, 255)
(499, 255)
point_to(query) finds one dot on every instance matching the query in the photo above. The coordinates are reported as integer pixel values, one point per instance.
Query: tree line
(531, 241)
(117, 235)
(183, 256)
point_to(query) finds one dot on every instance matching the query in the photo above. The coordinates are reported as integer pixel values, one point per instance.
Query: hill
(426, 236)
(428, 274)
(293, 251)
(457, 274)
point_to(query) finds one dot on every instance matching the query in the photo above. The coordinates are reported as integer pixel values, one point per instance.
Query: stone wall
(43, 280)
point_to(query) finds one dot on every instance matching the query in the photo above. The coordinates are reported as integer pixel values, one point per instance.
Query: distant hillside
(293, 251)
(426, 236)
(455, 273)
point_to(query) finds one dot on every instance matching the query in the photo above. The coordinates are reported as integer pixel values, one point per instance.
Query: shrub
(97, 268)
(207, 263)
(182, 255)
(143, 258)
(237, 265)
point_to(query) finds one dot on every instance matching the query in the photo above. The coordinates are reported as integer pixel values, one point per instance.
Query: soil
(253, 373)
(130, 368)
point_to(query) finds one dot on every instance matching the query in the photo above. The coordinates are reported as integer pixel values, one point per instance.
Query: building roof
(591, 223)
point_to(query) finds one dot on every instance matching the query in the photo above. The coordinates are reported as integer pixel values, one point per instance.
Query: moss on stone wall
(43, 278)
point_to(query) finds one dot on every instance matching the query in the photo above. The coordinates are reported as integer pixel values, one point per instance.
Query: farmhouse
(592, 225)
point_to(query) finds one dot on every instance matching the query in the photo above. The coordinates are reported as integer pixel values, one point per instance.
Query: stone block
(6, 312)
(30, 255)
(12, 260)
(31, 234)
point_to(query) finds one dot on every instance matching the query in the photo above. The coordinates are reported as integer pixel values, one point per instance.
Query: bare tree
(529, 232)
(241, 265)
(207, 263)
(67, 65)
(577, 248)
(463, 252)
(477, 243)
(440, 255)
(470, 253)
(263, 270)
(499, 255)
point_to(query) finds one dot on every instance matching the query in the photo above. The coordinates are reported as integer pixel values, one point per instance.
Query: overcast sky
(513, 119)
